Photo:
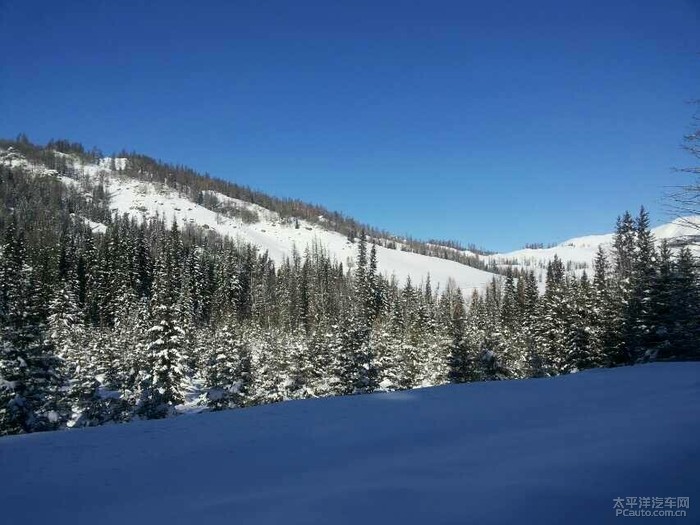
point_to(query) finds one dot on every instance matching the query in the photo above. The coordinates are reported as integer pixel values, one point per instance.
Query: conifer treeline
(146, 317)
(60, 154)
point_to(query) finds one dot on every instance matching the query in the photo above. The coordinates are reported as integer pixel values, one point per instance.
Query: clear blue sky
(493, 122)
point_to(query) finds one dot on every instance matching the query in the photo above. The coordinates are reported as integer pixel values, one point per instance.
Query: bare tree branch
(684, 201)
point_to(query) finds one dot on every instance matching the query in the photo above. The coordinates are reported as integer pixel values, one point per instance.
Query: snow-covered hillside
(270, 233)
(534, 451)
(581, 251)
(281, 237)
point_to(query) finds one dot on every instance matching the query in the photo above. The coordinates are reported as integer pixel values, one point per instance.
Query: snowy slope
(546, 451)
(271, 234)
(581, 251)
(279, 239)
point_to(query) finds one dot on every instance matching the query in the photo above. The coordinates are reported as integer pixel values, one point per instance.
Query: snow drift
(532, 451)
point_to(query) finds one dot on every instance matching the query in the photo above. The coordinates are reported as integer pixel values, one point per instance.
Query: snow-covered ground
(539, 451)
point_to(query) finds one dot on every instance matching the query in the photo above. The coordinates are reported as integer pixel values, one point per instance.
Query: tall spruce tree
(164, 380)
(30, 378)
(640, 308)
(686, 299)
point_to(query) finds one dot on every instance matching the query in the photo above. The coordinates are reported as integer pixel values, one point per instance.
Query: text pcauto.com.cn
(649, 506)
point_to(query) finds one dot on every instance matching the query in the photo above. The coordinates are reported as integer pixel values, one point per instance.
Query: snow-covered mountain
(269, 231)
(578, 253)
(540, 451)
(279, 236)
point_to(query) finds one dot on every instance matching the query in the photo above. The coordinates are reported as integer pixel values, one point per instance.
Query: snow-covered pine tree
(686, 301)
(375, 291)
(624, 248)
(659, 343)
(226, 287)
(509, 303)
(66, 332)
(583, 351)
(359, 373)
(328, 361)
(30, 379)
(432, 342)
(530, 319)
(640, 308)
(605, 339)
(269, 368)
(165, 381)
(552, 329)
(385, 347)
(65, 322)
(461, 360)
(227, 369)
(509, 343)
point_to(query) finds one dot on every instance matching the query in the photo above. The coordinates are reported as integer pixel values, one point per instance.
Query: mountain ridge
(289, 226)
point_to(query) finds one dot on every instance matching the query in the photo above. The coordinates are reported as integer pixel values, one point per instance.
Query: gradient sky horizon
(496, 123)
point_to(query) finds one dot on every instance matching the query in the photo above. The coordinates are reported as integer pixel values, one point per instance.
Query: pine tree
(460, 360)
(622, 330)
(553, 330)
(686, 300)
(534, 360)
(640, 308)
(66, 332)
(269, 368)
(509, 305)
(359, 372)
(661, 317)
(583, 348)
(228, 369)
(164, 383)
(375, 294)
(604, 337)
(30, 378)
(386, 353)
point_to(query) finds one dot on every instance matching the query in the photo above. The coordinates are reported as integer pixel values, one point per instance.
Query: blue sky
(494, 122)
